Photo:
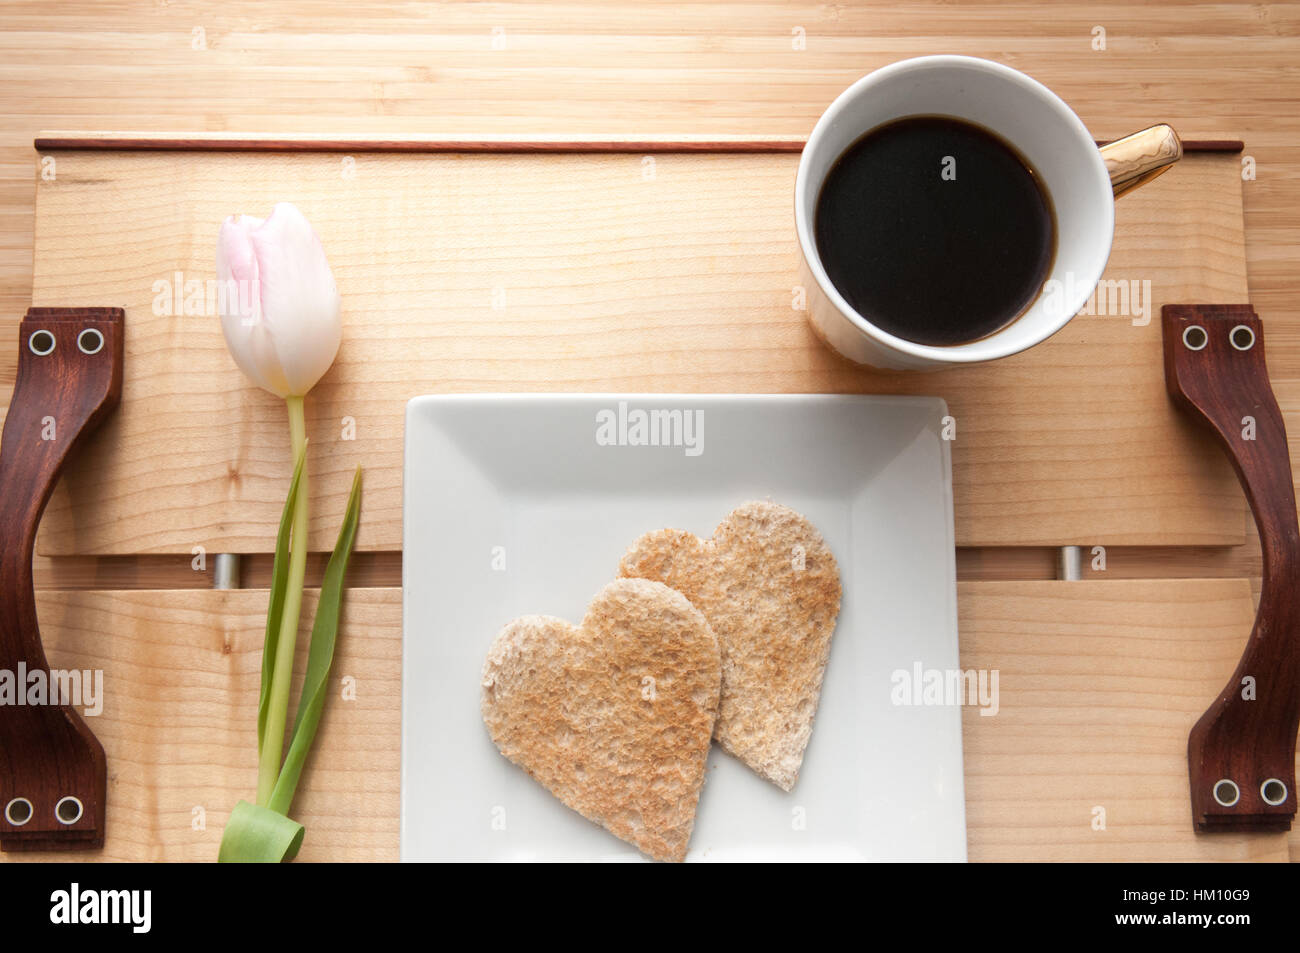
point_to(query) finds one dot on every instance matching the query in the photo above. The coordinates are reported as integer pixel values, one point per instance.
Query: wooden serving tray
(613, 273)
(600, 266)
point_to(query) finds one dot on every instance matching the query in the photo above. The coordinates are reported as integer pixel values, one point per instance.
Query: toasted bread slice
(770, 589)
(614, 716)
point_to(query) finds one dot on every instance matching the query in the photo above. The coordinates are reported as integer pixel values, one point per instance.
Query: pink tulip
(280, 316)
(280, 312)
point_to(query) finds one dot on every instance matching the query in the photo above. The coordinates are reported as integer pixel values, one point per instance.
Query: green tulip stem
(268, 770)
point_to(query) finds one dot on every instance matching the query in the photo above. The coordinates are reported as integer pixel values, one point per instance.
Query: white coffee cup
(1081, 181)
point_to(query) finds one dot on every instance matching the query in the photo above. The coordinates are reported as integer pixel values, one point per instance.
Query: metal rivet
(1226, 792)
(68, 810)
(90, 341)
(1195, 338)
(41, 343)
(18, 811)
(1242, 337)
(1273, 791)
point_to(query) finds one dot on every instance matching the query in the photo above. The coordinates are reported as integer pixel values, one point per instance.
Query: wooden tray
(607, 266)
(615, 273)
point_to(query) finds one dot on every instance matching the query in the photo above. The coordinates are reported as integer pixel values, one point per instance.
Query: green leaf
(256, 835)
(279, 582)
(320, 656)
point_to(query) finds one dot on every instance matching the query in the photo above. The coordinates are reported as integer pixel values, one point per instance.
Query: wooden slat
(973, 563)
(245, 142)
(54, 141)
(610, 275)
(1099, 683)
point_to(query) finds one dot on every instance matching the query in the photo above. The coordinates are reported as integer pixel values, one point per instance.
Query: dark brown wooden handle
(53, 776)
(1241, 753)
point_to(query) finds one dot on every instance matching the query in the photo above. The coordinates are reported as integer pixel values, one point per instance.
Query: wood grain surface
(668, 272)
(1099, 683)
(753, 70)
(179, 721)
(54, 141)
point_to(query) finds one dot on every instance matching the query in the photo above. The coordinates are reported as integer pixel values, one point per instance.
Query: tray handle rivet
(1226, 792)
(68, 810)
(1273, 791)
(18, 811)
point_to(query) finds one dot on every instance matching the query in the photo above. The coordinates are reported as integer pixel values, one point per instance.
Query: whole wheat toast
(613, 716)
(770, 589)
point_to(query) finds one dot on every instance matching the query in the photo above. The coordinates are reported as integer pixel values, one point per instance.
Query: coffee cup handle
(1137, 159)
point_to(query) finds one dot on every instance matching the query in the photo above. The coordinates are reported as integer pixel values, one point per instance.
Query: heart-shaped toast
(613, 716)
(770, 590)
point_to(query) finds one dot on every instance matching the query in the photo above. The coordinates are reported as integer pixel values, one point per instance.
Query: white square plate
(513, 506)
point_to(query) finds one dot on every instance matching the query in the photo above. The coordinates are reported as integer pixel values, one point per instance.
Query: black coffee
(935, 230)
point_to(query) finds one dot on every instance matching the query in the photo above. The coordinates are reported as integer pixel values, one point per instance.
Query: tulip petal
(240, 304)
(300, 307)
